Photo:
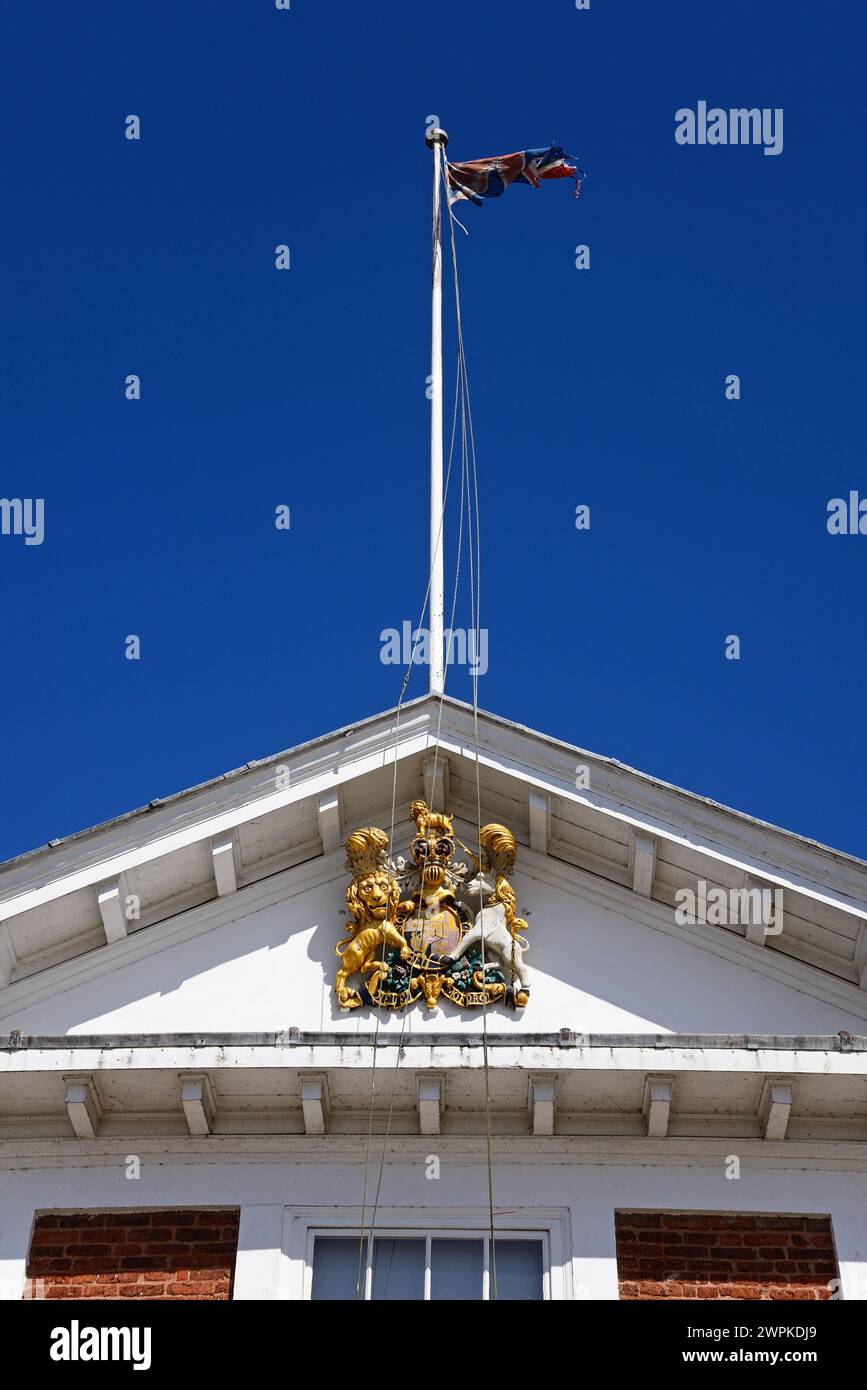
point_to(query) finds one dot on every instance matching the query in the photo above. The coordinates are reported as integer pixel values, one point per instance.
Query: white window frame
(551, 1227)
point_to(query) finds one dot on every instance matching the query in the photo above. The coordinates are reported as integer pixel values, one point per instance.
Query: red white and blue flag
(489, 178)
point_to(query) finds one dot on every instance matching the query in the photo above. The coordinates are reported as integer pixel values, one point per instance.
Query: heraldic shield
(417, 928)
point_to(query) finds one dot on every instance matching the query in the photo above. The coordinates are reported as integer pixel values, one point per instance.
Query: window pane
(335, 1267)
(398, 1270)
(519, 1268)
(456, 1269)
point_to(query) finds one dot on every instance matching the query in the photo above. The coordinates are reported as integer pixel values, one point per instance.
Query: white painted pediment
(239, 889)
(601, 961)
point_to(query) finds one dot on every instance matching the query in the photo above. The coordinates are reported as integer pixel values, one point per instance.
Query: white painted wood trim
(110, 899)
(82, 1105)
(780, 859)
(224, 858)
(656, 1105)
(315, 1103)
(844, 1156)
(775, 1108)
(197, 1100)
(642, 862)
(539, 807)
(435, 775)
(185, 926)
(431, 1089)
(774, 965)
(542, 1099)
(8, 959)
(328, 812)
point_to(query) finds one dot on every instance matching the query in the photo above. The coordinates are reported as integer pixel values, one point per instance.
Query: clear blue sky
(307, 387)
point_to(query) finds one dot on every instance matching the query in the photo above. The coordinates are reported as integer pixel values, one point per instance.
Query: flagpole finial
(436, 136)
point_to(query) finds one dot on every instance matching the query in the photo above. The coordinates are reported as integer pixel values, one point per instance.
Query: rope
(358, 1284)
(359, 1291)
(468, 434)
(469, 499)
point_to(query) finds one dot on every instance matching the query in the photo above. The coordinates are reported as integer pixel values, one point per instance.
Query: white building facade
(678, 1110)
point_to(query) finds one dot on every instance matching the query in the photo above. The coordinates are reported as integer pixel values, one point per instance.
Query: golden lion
(373, 902)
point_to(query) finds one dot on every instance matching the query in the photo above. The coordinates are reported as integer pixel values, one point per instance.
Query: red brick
(48, 1252)
(725, 1256)
(136, 1255)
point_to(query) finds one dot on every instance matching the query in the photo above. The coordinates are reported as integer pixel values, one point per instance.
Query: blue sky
(307, 388)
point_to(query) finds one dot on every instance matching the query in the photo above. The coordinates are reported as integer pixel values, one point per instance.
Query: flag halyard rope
(363, 1264)
(469, 507)
(469, 449)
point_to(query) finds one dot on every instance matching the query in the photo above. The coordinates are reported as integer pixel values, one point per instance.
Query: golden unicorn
(497, 923)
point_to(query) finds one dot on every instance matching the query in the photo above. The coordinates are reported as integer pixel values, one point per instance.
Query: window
(422, 1253)
(415, 1266)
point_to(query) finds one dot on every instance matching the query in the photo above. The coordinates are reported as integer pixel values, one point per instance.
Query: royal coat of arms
(422, 926)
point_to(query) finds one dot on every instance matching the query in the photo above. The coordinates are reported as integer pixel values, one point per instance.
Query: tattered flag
(478, 179)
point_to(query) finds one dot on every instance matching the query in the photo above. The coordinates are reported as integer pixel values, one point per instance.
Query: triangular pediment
(238, 887)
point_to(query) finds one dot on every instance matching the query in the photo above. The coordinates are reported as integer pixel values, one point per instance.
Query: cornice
(844, 1156)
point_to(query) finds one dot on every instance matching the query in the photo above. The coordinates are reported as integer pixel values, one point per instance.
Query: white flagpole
(437, 140)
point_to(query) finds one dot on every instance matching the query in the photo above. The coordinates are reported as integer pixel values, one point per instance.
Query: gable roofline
(660, 783)
(158, 802)
(623, 827)
(322, 740)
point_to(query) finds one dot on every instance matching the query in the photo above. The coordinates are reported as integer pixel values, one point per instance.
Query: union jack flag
(489, 178)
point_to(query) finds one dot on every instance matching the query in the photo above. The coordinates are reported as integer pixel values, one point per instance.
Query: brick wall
(670, 1255)
(133, 1254)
